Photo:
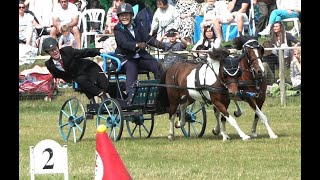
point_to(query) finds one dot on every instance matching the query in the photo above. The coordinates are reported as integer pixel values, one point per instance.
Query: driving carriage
(136, 111)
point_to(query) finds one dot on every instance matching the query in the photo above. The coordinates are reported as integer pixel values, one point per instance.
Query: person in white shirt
(27, 25)
(285, 9)
(66, 13)
(165, 18)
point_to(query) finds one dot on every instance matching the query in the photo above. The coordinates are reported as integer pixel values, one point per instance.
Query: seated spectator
(67, 38)
(285, 9)
(111, 17)
(280, 38)
(66, 13)
(238, 13)
(265, 8)
(172, 45)
(27, 26)
(132, 41)
(209, 40)
(166, 17)
(295, 69)
(70, 65)
(208, 12)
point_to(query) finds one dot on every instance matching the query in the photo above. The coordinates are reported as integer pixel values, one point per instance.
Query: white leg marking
(265, 122)
(224, 134)
(233, 123)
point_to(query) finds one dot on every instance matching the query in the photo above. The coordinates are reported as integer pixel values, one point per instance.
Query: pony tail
(162, 98)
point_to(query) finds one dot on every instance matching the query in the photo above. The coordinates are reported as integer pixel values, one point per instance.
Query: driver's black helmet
(124, 8)
(49, 43)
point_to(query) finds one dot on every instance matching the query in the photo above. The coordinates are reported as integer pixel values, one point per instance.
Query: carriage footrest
(93, 108)
(89, 116)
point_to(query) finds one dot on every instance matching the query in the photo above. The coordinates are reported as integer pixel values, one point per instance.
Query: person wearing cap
(172, 45)
(131, 42)
(70, 65)
(173, 35)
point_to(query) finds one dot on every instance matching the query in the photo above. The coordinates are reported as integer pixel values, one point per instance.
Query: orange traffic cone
(109, 165)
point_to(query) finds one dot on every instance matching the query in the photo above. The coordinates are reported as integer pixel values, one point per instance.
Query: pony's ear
(238, 42)
(214, 54)
(224, 51)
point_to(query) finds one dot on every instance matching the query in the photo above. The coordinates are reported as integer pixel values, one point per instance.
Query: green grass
(158, 158)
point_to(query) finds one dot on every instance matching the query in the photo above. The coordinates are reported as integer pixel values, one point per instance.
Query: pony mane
(219, 53)
(238, 42)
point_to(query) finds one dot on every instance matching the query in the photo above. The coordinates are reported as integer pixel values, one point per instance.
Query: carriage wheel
(140, 126)
(196, 120)
(72, 120)
(110, 113)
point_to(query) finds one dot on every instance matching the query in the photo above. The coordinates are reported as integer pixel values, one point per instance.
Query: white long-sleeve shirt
(165, 20)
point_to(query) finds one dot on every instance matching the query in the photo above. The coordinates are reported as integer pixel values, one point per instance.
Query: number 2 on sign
(48, 166)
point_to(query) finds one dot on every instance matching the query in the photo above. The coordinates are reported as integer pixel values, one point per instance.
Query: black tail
(162, 98)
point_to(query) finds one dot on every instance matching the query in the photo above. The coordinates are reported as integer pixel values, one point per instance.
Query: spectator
(112, 18)
(27, 25)
(66, 13)
(166, 17)
(173, 45)
(67, 38)
(286, 9)
(265, 9)
(187, 10)
(208, 40)
(295, 69)
(239, 10)
(131, 43)
(143, 14)
(280, 38)
(208, 14)
(42, 10)
(70, 65)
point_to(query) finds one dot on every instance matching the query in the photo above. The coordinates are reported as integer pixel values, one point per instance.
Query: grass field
(158, 158)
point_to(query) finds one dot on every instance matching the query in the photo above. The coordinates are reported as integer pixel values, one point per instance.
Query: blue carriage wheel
(110, 114)
(72, 120)
(140, 126)
(196, 120)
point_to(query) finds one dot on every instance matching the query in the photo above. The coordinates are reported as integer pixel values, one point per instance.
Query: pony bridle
(253, 44)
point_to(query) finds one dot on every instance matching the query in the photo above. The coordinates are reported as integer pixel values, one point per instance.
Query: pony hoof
(225, 138)
(171, 137)
(215, 132)
(245, 138)
(237, 114)
(177, 124)
(274, 137)
(254, 135)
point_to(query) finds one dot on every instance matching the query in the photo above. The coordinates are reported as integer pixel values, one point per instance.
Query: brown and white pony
(213, 82)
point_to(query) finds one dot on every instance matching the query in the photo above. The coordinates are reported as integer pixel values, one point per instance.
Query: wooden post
(282, 78)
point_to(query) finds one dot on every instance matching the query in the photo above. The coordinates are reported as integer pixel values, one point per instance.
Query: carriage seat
(112, 70)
